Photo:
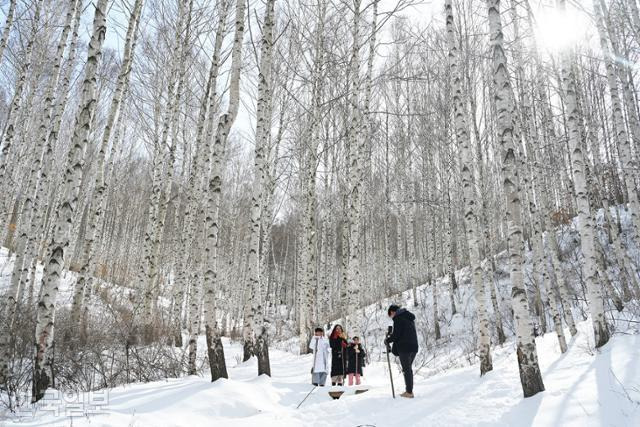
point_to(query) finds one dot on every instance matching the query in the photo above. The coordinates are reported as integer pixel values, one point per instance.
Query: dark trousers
(406, 360)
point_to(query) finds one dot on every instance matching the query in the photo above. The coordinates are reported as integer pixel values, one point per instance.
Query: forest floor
(584, 387)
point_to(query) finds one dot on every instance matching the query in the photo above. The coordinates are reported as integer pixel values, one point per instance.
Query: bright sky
(556, 31)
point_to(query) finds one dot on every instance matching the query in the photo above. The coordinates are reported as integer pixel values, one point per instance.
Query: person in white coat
(321, 351)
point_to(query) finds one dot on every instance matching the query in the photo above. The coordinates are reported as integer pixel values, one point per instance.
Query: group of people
(348, 357)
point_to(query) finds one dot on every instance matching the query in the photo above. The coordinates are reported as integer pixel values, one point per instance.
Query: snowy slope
(583, 389)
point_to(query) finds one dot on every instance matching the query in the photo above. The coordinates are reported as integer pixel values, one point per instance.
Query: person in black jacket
(405, 343)
(355, 360)
(338, 343)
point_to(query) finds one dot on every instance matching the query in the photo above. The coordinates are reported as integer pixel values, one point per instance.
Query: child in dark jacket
(355, 361)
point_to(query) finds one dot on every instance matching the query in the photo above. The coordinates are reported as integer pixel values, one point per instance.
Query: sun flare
(557, 31)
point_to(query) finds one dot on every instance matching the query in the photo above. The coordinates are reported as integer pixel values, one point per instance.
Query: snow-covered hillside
(583, 388)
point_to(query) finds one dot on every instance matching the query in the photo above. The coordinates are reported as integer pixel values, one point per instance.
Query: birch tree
(355, 147)
(149, 269)
(530, 376)
(213, 160)
(225, 122)
(256, 318)
(7, 27)
(309, 161)
(44, 333)
(16, 104)
(100, 185)
(585, 220)
(624, 139)
(468, 185)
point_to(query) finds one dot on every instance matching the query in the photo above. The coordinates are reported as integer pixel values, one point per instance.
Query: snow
(583, 388)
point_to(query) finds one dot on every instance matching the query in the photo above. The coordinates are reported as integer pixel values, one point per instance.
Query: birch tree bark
(625, 264)
(33, 199)
(448, 255)
(49, 135)
(100, 183)
(542, 185)
(490, 268)
(225, 122)
(148, 273)
(527, 127)
(585, 223)
(256, 318)
(214, 156)
(195, 305)
(622, 137)
(470, 200)
(14, 109)
(7, 27)
(311, 142)
(622, 61)
(44, 333)
(433, 281)
(355, 152)
(530, 376)
(635, 18)
(26, 235)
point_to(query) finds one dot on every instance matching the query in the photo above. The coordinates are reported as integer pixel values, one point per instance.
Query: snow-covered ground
(583, 388)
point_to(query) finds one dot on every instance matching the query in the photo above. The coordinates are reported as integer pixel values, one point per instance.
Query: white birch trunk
(49, 129)
(195, 304)
(13, 113)
(214, 186)
(308, 256)
(585, 223)
(97, 207)
(530, 376)
(148, 273)
(7, 27)
(543, 187)
(433, 276)
(224, 124)
(622, 137)
(448, 259)
(543, 276)
(635, 18)
(256, 320)
(624, 262)
(38, 167)
(53, 270)
(469, 191)
(355, 152)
